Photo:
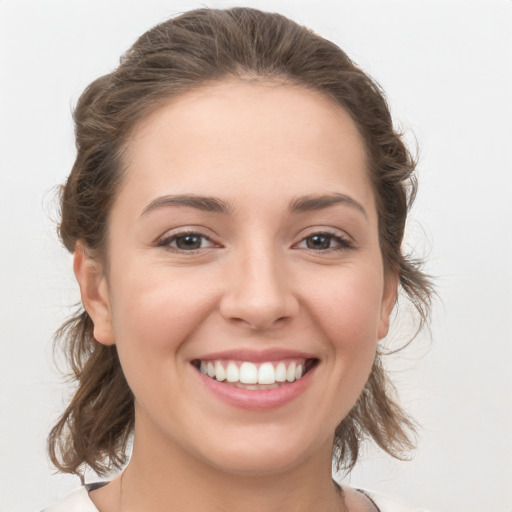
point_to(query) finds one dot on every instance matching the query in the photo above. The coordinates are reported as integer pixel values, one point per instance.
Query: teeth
(280, 372)
(251, 375)
(232, 374)
(266, 374)
(290, 373)
(220, 373)
(248, 373)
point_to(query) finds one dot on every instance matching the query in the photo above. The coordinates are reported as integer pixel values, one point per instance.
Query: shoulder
(389, 504)
(76, 501)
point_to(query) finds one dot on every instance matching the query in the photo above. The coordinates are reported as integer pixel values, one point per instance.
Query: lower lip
(257, 398)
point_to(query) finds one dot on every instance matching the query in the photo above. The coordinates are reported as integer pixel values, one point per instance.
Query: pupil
(188, 242)
(318, 242)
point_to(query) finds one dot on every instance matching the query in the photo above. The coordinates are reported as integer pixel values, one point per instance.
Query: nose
(259, 292)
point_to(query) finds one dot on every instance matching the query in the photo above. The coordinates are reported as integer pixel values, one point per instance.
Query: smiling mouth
(257, 376)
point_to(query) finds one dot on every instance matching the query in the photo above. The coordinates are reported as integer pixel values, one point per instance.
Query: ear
(388, 301)
(94, 291)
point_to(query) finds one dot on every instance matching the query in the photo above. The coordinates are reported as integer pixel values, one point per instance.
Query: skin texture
(255, 283)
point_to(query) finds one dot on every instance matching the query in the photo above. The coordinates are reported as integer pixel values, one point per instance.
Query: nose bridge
(258, 291)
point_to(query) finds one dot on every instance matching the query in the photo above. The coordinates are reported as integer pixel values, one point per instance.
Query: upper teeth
(246, 372)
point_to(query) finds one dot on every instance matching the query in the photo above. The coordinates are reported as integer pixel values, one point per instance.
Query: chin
(256, 464)
(254, 456)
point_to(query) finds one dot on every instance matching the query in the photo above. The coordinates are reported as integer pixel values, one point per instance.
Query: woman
(236, 212)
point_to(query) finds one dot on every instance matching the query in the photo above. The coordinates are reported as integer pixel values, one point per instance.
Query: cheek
(347, 310)
(347, 306)
(153, 319)
(153, 316)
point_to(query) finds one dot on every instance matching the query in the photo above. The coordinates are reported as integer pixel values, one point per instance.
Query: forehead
(239, 134)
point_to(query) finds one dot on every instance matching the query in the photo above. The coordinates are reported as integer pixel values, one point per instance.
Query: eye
(186, 242)
(324, 242)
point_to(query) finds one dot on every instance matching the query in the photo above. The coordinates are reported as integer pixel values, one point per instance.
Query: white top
(79, 501)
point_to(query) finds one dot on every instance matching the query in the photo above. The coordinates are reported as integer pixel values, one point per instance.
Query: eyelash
(342, 243)
(168, 241)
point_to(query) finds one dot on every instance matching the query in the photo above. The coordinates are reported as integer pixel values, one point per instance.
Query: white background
(446, 67)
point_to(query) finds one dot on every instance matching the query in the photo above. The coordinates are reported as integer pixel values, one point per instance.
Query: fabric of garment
(79, 501)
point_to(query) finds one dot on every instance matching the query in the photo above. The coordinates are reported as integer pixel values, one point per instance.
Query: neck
(156, 478)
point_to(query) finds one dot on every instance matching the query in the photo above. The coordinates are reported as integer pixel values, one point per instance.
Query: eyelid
(345, 241)
(171, 235)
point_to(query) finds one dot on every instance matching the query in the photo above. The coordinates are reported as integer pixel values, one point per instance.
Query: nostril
(259, 323)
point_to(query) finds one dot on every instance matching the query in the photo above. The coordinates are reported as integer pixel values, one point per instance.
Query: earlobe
(388, 301)
(94, 292)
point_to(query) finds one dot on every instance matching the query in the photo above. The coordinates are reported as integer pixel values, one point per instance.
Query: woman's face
(243, 244)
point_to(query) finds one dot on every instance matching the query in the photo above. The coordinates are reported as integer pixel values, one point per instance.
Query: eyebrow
(213, 204)
(204, 203)
(318, 202)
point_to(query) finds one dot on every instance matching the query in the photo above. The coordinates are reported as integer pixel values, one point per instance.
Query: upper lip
(256, 356)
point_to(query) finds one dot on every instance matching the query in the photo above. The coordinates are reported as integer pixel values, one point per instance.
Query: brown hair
(194, 49)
